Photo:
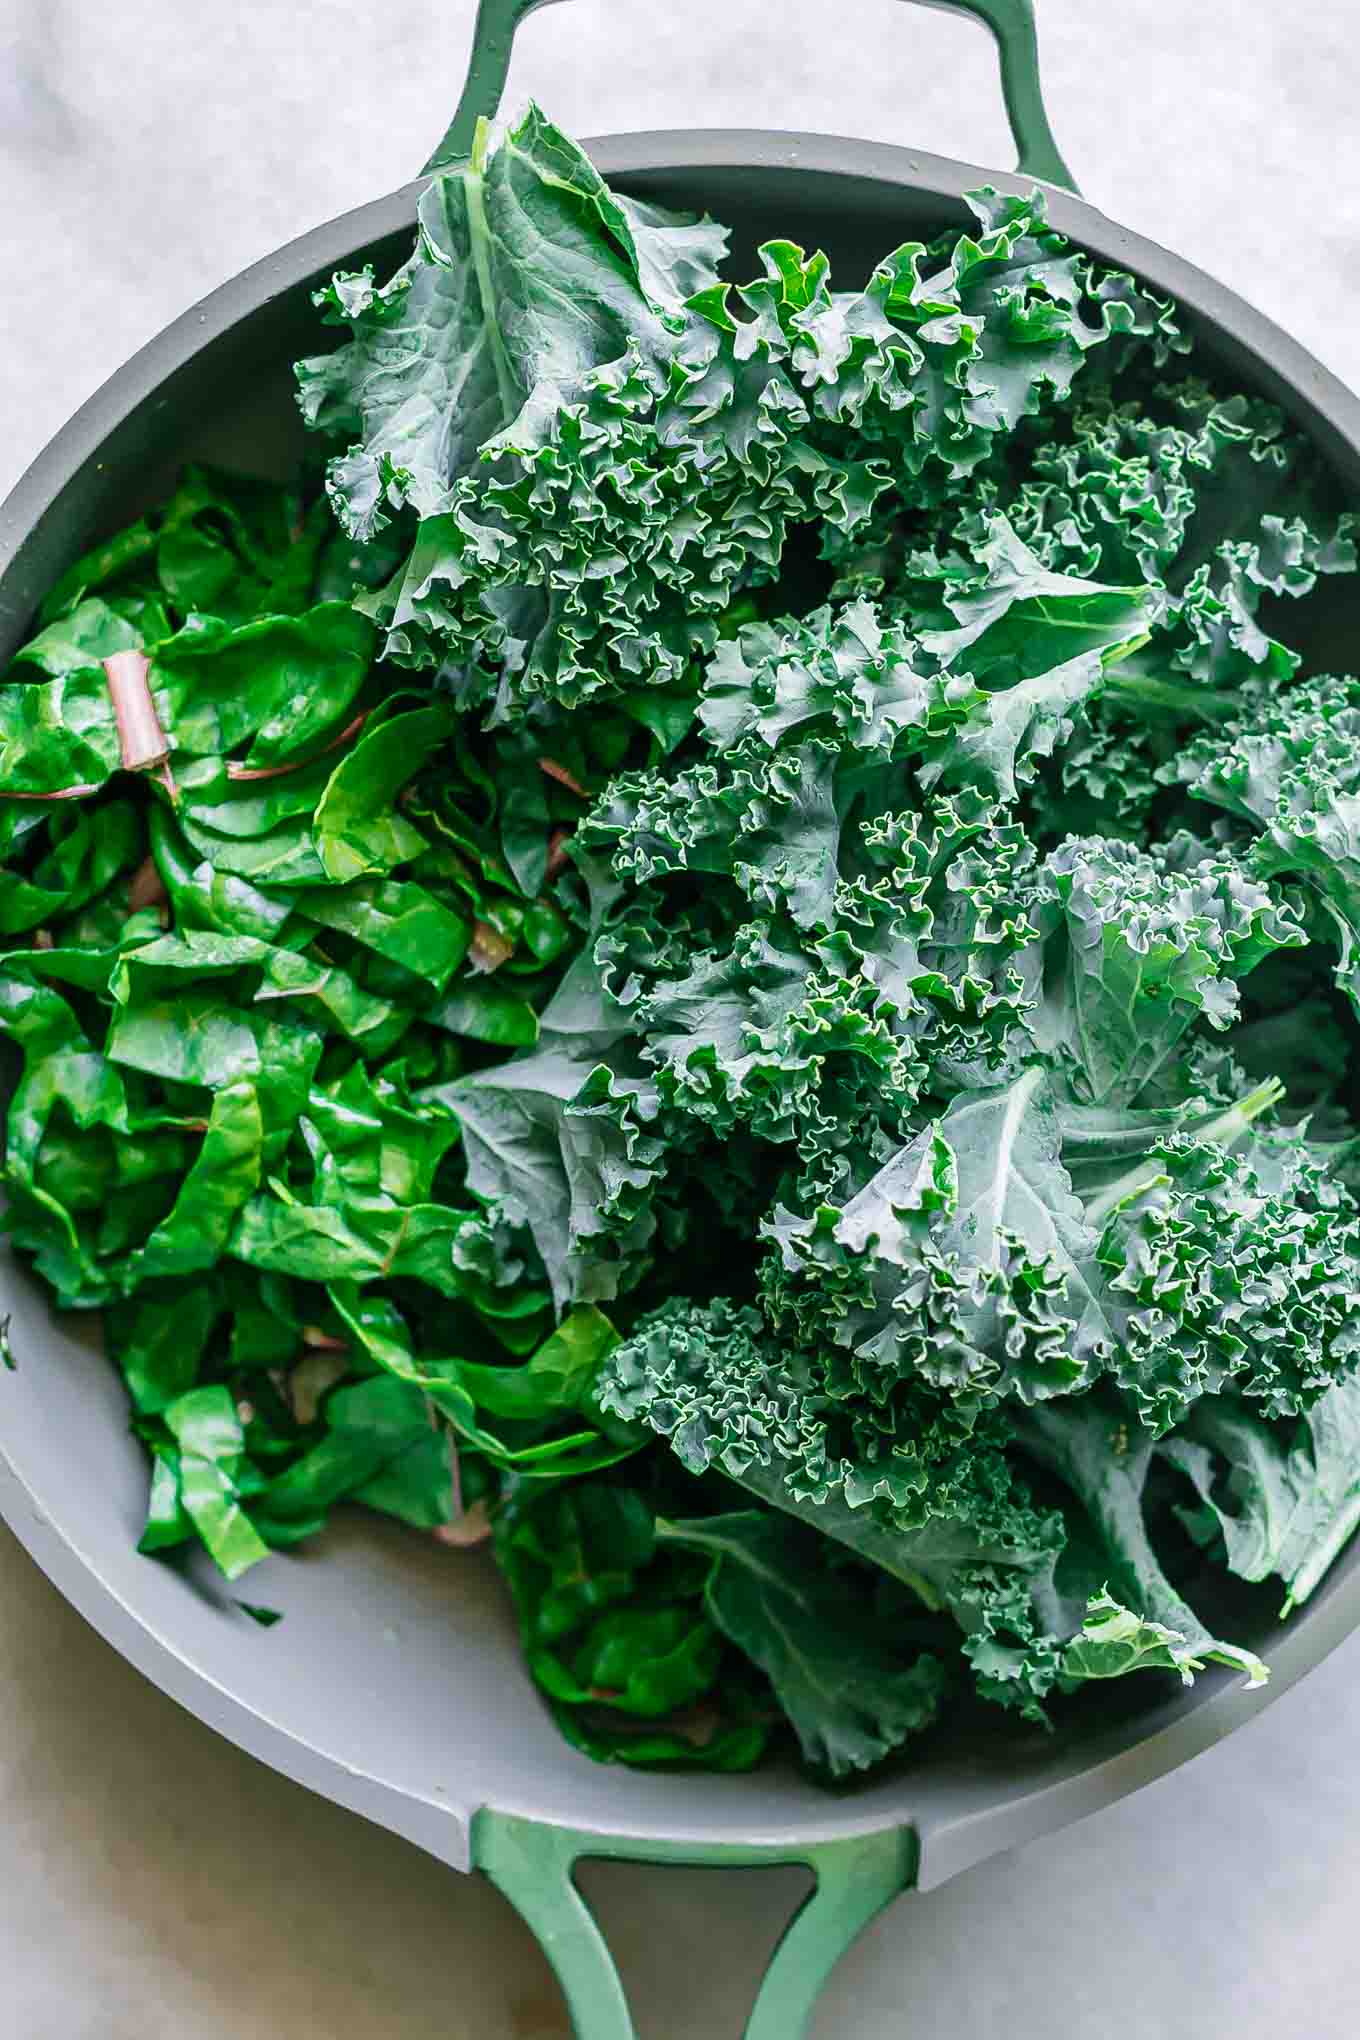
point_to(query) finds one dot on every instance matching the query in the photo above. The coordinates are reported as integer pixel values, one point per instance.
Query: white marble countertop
(157, 1882)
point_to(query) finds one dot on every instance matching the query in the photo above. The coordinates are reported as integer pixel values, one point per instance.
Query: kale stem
(479, 238)
(1224, 1131)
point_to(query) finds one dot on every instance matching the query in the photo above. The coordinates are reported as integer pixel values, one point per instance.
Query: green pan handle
(1011, 22)
(532, 1863)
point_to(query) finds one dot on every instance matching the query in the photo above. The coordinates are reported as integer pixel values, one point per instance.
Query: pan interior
(397, 1670)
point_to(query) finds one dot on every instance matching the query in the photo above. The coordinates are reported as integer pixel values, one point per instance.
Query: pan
(395, 1686)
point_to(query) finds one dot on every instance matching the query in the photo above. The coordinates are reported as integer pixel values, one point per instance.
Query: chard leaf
(483, 1010)
(231, 546)
(394, 919)
(554, 1430)
(357, 829)
(560, 1375)
(614, 1632)
(207, 1431)
(279, 685)
(159, 1341)
(89, 633)
(194, 1233)
(58, 733)
(365, 1241)
(378, 1448)
(285, 683)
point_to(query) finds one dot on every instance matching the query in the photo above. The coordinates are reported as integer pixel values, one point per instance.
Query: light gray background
(156, 1882)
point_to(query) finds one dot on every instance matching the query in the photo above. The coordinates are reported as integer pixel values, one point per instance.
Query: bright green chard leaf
(159, 1341)
(357, 828)
(91, 632)
(374, 1240)
(395, 919)
(194, 1233)
(615, 1634)
(379, 1448)
(286, 683)
(207, 1430)
(482, 1009)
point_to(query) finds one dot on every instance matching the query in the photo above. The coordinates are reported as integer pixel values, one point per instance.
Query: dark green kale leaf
(1143, 944)
(1103, 1458)
(852, 1693)
(527, 268)
(633, 441)
(1289, 769)
(958, 1528)
(1283, 1500)
(964, 1263)
(1230, 1271)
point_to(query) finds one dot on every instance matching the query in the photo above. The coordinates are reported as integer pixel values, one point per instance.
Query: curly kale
(947, 1518)
(1230, 1271)
(1144, 944)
